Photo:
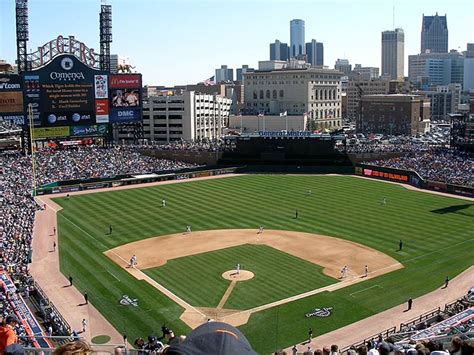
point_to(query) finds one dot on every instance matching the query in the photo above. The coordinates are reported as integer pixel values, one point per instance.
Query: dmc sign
(125, 113)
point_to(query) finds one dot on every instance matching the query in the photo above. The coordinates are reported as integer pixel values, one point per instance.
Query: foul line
(114, 276)
(157, 285)
(365, 289)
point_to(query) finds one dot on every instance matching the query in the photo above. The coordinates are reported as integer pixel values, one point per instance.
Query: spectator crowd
(97, 162)
(442, 165)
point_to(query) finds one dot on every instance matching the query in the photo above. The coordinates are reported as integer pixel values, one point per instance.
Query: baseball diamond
(296, 262)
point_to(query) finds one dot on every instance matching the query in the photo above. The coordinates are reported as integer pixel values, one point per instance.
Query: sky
(175, 42)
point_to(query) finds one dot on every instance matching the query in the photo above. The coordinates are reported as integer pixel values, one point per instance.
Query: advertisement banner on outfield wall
(385, 175)
(89, 131)
(50, 132)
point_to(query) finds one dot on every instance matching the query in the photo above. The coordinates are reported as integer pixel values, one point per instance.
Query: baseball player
(309, 193)
(133, 261)
(344, 272)
(188, 229)
(260, 230)
(163, 203)
(237, 269)
(366, 271)
(384, 201)
(84, 325)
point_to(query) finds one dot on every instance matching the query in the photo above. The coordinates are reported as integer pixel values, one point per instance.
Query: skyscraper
(279, 51)
(432, 69)
(343, 65)
(224, 74)
(315, 53)
(297, 44)
(434, 34)
(245, 69)
(393, 53)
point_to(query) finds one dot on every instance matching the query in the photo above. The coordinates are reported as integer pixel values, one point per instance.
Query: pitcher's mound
(243, 275)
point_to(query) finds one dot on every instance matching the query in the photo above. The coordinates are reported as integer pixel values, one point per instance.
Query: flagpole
(286, 121)
(264, 122)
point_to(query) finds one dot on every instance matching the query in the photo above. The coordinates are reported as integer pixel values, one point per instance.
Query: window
(261, 94)
(268, 94)
(274, 94)
(255, 95)
(281, 93)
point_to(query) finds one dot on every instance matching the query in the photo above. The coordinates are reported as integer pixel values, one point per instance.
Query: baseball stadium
(260, 242)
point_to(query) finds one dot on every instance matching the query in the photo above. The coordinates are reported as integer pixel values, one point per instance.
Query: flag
(282, 114)
(261, 114)
(209, 82)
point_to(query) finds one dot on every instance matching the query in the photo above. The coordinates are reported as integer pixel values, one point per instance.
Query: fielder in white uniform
(133, 261)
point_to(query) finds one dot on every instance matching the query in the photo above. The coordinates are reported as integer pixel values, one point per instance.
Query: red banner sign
(124, 81)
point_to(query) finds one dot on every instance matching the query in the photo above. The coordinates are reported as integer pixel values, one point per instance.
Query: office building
(444, 100)
(343, 66)
(315, 53)
(393, 53)
(224, 74)
(245, 68)
(434, 34)
(187, 116)
(314, 91)
(356, 88)
(364, 73)
(253, 123)
(394, 115)
(279, 51)
(432, 69)
(117, 61)
(114, 61)
(297, 39)
(468, 80)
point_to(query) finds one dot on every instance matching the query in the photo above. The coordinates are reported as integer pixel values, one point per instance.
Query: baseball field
(313, 226)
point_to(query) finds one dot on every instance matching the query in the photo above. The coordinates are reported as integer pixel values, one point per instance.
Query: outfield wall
(91, 184)
(412, 178)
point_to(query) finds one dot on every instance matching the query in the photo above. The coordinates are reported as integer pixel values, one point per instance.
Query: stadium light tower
(105, 19)
(22, 34)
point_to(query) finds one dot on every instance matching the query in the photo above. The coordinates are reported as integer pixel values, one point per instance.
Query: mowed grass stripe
(192, 277)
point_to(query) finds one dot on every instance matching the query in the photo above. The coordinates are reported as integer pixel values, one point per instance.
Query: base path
(330, 253)
(392, 317)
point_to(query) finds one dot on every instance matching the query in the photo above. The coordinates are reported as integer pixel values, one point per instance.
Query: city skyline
(175, 42)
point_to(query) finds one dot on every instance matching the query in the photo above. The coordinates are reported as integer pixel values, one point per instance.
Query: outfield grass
(438, 242)
(277, 275)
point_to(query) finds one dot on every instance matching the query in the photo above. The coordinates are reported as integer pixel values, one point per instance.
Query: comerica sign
(63, 45)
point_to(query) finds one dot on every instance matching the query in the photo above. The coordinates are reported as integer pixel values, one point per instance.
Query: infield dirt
(330, 253)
